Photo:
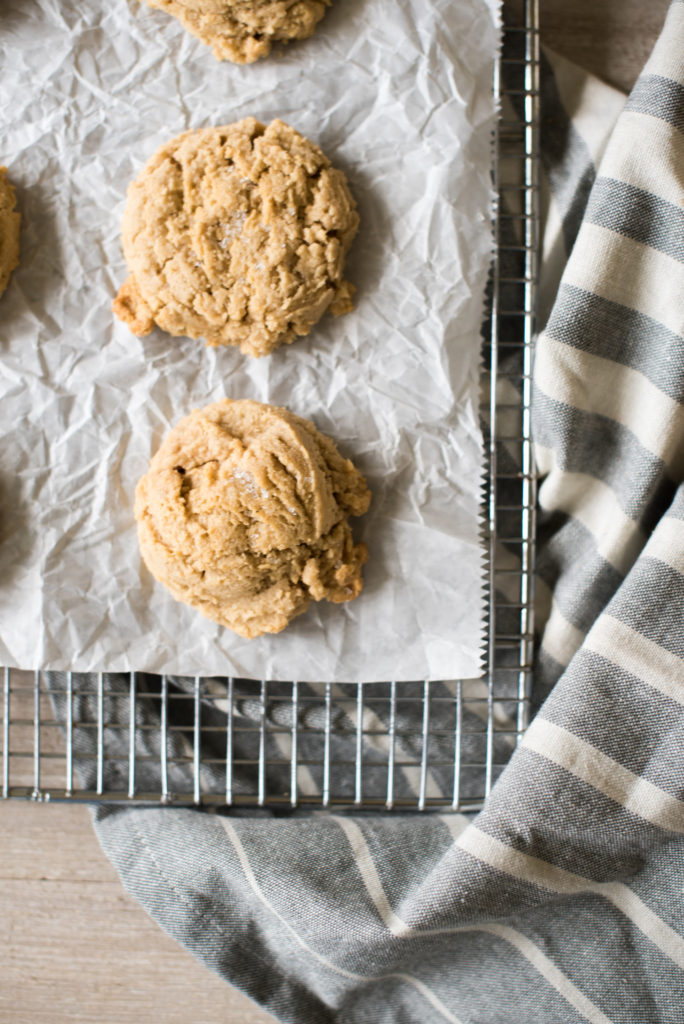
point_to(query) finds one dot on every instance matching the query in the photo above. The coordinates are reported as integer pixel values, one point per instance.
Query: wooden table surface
(75, 946)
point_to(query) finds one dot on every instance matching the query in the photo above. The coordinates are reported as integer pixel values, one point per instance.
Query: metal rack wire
(259, 744)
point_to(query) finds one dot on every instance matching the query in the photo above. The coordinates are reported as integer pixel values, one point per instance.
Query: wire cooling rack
(259, 744)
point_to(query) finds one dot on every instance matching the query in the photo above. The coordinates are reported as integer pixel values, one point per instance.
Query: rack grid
(257, 744)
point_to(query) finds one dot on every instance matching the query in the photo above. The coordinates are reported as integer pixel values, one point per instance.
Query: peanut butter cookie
(9, 230)
(243, 514)
(237, 235)
(244, 30)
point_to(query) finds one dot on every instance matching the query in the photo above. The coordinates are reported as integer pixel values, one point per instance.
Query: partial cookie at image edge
(10, 221)
(243, 31)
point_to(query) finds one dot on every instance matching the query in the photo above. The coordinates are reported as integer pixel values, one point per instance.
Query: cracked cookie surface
(242, 31)
(9, 230)
(238, 235)
(243, 514)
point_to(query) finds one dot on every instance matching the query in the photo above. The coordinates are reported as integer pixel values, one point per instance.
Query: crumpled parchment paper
(399, 96)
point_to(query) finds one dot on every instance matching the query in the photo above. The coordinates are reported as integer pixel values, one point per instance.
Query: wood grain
(75, 947)
(611, 38)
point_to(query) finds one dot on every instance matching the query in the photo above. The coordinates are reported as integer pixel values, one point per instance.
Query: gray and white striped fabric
(563, 900)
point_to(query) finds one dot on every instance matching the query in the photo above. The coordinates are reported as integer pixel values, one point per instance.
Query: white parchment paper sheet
(398, 95)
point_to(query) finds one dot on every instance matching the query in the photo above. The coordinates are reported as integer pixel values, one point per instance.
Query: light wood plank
(611, 38)
(76, 947)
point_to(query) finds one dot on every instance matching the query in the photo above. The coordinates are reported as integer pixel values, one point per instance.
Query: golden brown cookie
(238, 235)
(9, 230)
(243, 514)
(244, 30)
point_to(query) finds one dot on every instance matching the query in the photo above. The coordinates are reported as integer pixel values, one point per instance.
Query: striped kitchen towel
(563, 900)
